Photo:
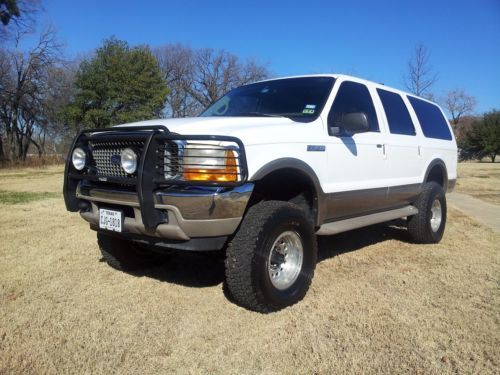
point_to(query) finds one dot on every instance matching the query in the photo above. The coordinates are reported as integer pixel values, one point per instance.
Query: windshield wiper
(260, 114)
(256, 114)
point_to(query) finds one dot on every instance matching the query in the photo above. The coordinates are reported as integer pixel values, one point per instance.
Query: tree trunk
(11, 140)
(493, 157)
(12, 136)
(19, 146)
(2, 154)
(41, 150)
(38, 147)
(26, 146)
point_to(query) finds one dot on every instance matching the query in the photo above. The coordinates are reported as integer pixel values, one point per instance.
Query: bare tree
(420, 78)
(52, 126)
(23, 87)
(176, 64)
(217, 72)
(17, 16)
(197, 78)
(458, 104)
(5, 79)
(464, 126)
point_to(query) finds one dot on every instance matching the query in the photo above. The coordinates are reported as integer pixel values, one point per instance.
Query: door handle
(382, 146)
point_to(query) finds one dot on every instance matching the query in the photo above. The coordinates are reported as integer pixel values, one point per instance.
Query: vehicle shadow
(199, 270)
(196, 270)
(331, 246)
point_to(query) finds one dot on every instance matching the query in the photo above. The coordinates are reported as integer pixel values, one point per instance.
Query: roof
(350, 78)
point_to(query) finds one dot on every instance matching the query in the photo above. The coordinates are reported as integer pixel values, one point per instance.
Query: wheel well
(437, 174)
(287, 184)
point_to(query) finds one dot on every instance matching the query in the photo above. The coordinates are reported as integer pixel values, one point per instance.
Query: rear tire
(428, 225)
(126, 255)
(270, 261)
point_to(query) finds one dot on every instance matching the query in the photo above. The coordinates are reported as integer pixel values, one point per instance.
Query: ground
(377, 303)
(481, 180)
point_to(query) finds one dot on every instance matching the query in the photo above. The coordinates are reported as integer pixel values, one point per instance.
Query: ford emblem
(116, 159)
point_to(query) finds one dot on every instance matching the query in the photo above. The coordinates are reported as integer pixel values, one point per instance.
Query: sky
(369, 39)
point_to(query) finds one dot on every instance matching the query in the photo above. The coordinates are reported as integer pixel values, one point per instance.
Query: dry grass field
(377, 303)
(481, 180)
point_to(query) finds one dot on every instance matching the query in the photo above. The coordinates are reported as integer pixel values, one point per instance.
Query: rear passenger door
(357, 170)
(403, 149)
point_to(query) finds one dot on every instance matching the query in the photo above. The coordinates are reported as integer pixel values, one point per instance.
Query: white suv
(260, 173)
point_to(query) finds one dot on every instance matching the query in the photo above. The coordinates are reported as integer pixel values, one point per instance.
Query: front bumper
(160, 163)
(190, 212)
(159, 205)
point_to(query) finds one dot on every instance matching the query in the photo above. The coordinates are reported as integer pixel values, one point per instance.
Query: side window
(432, 121)
(396, 112)
(353, 97)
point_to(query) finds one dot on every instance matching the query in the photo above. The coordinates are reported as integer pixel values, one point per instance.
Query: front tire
(271, 260)
(428, 225)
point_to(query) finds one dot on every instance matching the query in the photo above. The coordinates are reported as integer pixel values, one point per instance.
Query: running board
(363, 221)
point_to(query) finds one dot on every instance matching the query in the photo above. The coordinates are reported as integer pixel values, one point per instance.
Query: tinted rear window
(396, 112)
(432, 121)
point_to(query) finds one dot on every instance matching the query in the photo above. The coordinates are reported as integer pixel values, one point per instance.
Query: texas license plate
(110, 219)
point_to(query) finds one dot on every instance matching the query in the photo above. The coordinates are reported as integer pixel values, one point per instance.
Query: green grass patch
(13, 175)
(20, 197)
(31, 174)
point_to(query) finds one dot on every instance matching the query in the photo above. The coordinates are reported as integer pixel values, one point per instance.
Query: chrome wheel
(436, 215)
(285, 260)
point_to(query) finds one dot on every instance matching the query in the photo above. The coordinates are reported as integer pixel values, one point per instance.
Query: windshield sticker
(307, 111)
(310, 106)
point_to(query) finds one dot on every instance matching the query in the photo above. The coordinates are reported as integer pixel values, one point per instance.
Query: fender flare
(431, 165)
(305, 170)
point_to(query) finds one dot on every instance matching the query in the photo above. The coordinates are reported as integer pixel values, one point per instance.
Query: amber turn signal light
(228, 172)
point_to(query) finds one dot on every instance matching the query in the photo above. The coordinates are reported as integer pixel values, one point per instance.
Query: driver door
(357, 162)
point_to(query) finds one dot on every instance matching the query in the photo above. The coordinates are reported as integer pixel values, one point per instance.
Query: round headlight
(79, 158)
(129, 160)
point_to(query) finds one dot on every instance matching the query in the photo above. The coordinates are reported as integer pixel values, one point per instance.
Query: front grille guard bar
(146, 181)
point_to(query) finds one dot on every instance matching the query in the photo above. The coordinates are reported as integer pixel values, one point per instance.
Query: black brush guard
(148, 178)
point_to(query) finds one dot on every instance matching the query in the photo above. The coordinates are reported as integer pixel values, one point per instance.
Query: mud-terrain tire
(271, 259)
(126, 255)
(428, 225)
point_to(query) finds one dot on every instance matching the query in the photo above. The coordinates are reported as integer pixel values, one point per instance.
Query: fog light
(129, 160)
(79, 158)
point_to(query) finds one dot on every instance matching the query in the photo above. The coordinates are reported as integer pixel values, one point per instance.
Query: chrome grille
(103, 151)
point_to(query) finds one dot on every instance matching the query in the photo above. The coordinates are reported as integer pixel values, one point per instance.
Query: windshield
(300, 99)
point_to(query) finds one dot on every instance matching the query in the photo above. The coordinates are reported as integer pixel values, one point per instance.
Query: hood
(250, 130)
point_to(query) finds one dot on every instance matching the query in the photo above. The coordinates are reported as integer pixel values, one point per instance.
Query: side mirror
(355, 122)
